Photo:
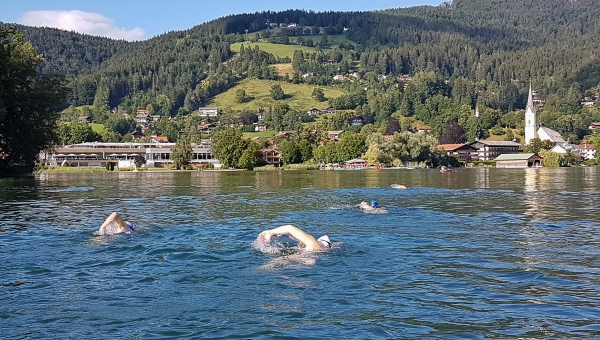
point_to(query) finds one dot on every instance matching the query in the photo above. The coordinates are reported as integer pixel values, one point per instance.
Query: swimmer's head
(129, 225)
(324, 241)
(374, 204)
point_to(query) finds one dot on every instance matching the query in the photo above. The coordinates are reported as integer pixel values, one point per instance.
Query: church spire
(530, 99)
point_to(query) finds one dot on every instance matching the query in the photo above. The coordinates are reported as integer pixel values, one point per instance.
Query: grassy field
(283, 69)
(279, 50)
(259, 134)
(298, 97)
(98, 128)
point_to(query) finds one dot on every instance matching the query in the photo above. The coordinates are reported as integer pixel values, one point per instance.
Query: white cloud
(82, 22)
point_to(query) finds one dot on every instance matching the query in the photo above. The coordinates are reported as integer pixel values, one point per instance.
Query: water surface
(474, 253)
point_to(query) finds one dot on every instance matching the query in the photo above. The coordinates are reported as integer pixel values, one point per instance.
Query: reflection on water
(473, 253)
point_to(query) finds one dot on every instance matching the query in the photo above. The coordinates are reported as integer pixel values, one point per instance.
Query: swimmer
(307, 241)
(398, 186)
(114, 224)
(372, 207)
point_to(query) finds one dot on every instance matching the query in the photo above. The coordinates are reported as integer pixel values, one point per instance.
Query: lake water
(474, 253)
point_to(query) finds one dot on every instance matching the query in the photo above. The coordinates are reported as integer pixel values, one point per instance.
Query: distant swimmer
(397, 186)
(305, 240)
(372, 207)
(114, 224)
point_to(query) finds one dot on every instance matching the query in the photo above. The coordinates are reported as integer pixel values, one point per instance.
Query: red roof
(450, 147)
(161, 139)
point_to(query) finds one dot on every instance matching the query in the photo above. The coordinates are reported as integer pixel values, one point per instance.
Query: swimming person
(114, 224)
(307, 241)
(372, 207)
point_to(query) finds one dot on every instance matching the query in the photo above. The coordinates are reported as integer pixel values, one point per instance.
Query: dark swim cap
(374, 204)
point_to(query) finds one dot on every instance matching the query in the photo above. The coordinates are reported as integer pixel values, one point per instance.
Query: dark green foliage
(182, 153)
(28, 105)
(277, 92)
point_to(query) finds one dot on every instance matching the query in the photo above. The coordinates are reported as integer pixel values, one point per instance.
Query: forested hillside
(427, 64)
(69, 53)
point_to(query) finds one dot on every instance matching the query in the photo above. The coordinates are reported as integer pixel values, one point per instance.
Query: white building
(532, 130)
(530, 122)
(208, 111)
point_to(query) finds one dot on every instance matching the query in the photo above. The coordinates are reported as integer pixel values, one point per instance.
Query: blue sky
(142, 19)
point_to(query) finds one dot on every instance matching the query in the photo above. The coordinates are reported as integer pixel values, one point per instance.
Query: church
(532, 130)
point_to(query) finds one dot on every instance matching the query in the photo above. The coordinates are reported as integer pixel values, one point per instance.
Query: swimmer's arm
(306, 239)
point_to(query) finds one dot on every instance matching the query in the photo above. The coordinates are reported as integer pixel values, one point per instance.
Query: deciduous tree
(28, 103)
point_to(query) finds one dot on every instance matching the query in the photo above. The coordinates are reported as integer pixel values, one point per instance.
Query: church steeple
(530, 99)
(530, 119)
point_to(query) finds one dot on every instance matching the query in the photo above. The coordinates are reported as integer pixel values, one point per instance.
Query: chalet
(207, 128)
(155, 118)
(339, 77)
(208, 111)
(334, 134)
(142, 118)
(594, 125)
(587, 150)
(314, 112)
(405, 77)
(160, 139)
(270, 156)
(464, 152)
(423, 128)
(587, 101)
(85, 119)
(137, 134)
(488, 150)
(518, 160)
(260, 127)
(329, 109)
(356, 121)
(309, 74)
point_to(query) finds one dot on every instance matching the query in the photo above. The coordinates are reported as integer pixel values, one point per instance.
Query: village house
(587, 101)
(271, 157)
(334, 135)
(160, 139)
(208, 111)
(155, 118)
(587, 150)
(207, 128)
(464, 152)
(339, 77)
(85, 119)
(594, 125)
(356, 121)
(488, 150)
(137, 134)
(423, 128)
(314, 112)
(260, 127)
(329, 109)
(518, 160)
(142, 117)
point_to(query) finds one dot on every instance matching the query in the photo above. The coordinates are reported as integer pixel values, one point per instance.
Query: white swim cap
(324, 241)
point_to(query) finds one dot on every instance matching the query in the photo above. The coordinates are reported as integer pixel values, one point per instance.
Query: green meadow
(297, 96)
(279, 50)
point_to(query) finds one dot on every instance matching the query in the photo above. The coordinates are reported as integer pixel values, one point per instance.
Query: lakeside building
(464, 152)
(488, 150)
(519, 160)
(157, 155)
